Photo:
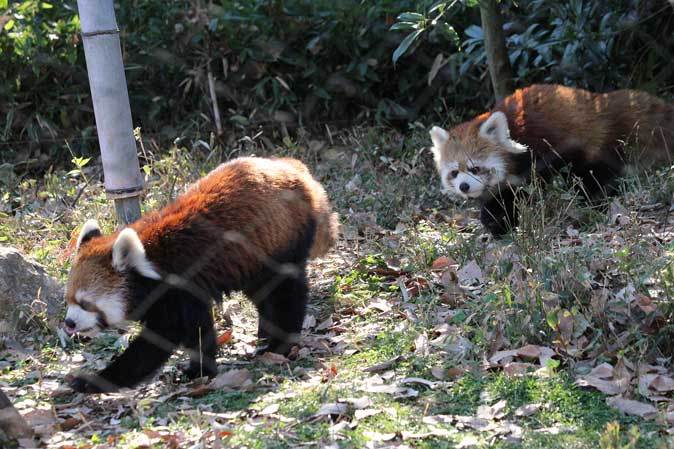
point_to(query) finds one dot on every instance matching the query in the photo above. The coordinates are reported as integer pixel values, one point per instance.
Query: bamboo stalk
(214, 100)
(102, 50)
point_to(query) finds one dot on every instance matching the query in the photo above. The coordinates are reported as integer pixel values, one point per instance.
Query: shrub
(287, 63)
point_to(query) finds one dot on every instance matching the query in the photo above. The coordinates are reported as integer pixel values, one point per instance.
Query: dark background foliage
(306, 63)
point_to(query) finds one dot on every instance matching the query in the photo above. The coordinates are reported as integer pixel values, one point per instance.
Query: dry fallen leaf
(662, 383)
(379, 304)
(618, 214)
(272, 358)
(439, 372)
(498, 356)
(357, 403)
(225, 337)
(623, 371)
(334, 409)
(603, 371)
(269, 410)
(235, 378)
(496, 411)
(670, 414)
(554, 430)
(418, 381)
(456, 372)
(41, 420)
(474, 422)
(366, 412)
(70, 423)
(376, 436)
(434, 432)
(442, 263)
(542, 353)
(330, 372)
(469, 441)
(470, 273)
(327, 324)
(527, 409)
(309, 322)
(383, 366)
(645, 304)
(395, 390)
(631, 407)
(421, 345)
(611, 387)
(517, 368)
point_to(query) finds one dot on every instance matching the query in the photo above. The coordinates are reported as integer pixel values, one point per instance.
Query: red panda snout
(92, 311)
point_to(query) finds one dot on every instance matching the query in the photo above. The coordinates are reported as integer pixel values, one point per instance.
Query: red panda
(542, 128)
(249, 225)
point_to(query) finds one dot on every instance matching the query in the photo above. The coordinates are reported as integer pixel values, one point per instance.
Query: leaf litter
(470, 286)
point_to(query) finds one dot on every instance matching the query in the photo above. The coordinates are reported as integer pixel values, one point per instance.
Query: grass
(569, 279)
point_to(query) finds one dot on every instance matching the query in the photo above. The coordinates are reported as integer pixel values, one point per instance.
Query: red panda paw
(87, 383)
(195, 370)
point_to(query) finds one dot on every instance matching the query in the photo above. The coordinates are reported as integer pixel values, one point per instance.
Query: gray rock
(27, 292)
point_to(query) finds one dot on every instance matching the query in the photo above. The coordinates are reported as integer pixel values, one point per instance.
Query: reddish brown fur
(250, 225)
(550, 118)
(264, 203)
(593, 134)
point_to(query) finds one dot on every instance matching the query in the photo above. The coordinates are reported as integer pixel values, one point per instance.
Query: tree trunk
(11, 422)
(495, 46)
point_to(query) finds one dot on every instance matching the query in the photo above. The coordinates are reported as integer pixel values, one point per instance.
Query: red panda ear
(128, 253)
(90, 229)
(495, 129)
(439, 136)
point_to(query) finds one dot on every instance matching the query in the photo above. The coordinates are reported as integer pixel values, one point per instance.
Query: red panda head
(97, 291)
(473, 157)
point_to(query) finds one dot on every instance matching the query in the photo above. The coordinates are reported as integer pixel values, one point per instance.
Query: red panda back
(556, 118)
(268, 201)
(261, 205)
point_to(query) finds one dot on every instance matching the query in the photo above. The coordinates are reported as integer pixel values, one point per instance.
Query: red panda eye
(454, 173)
(474, 170)
(86, 306)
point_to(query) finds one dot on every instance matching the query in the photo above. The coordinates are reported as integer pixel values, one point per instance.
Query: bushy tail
(645, 123)
(659, 134)
(327, 230)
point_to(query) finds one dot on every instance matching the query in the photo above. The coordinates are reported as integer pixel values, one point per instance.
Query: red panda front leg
(499, 213)
(200, 342)
(146, 353)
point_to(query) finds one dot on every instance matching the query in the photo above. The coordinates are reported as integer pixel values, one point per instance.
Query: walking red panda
(542, 128)
(249, 225)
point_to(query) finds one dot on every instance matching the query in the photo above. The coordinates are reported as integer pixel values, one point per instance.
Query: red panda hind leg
(281, 306)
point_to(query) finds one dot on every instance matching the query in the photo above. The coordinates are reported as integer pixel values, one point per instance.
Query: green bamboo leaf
(404, 26)
(405, 44)
(410, 17)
